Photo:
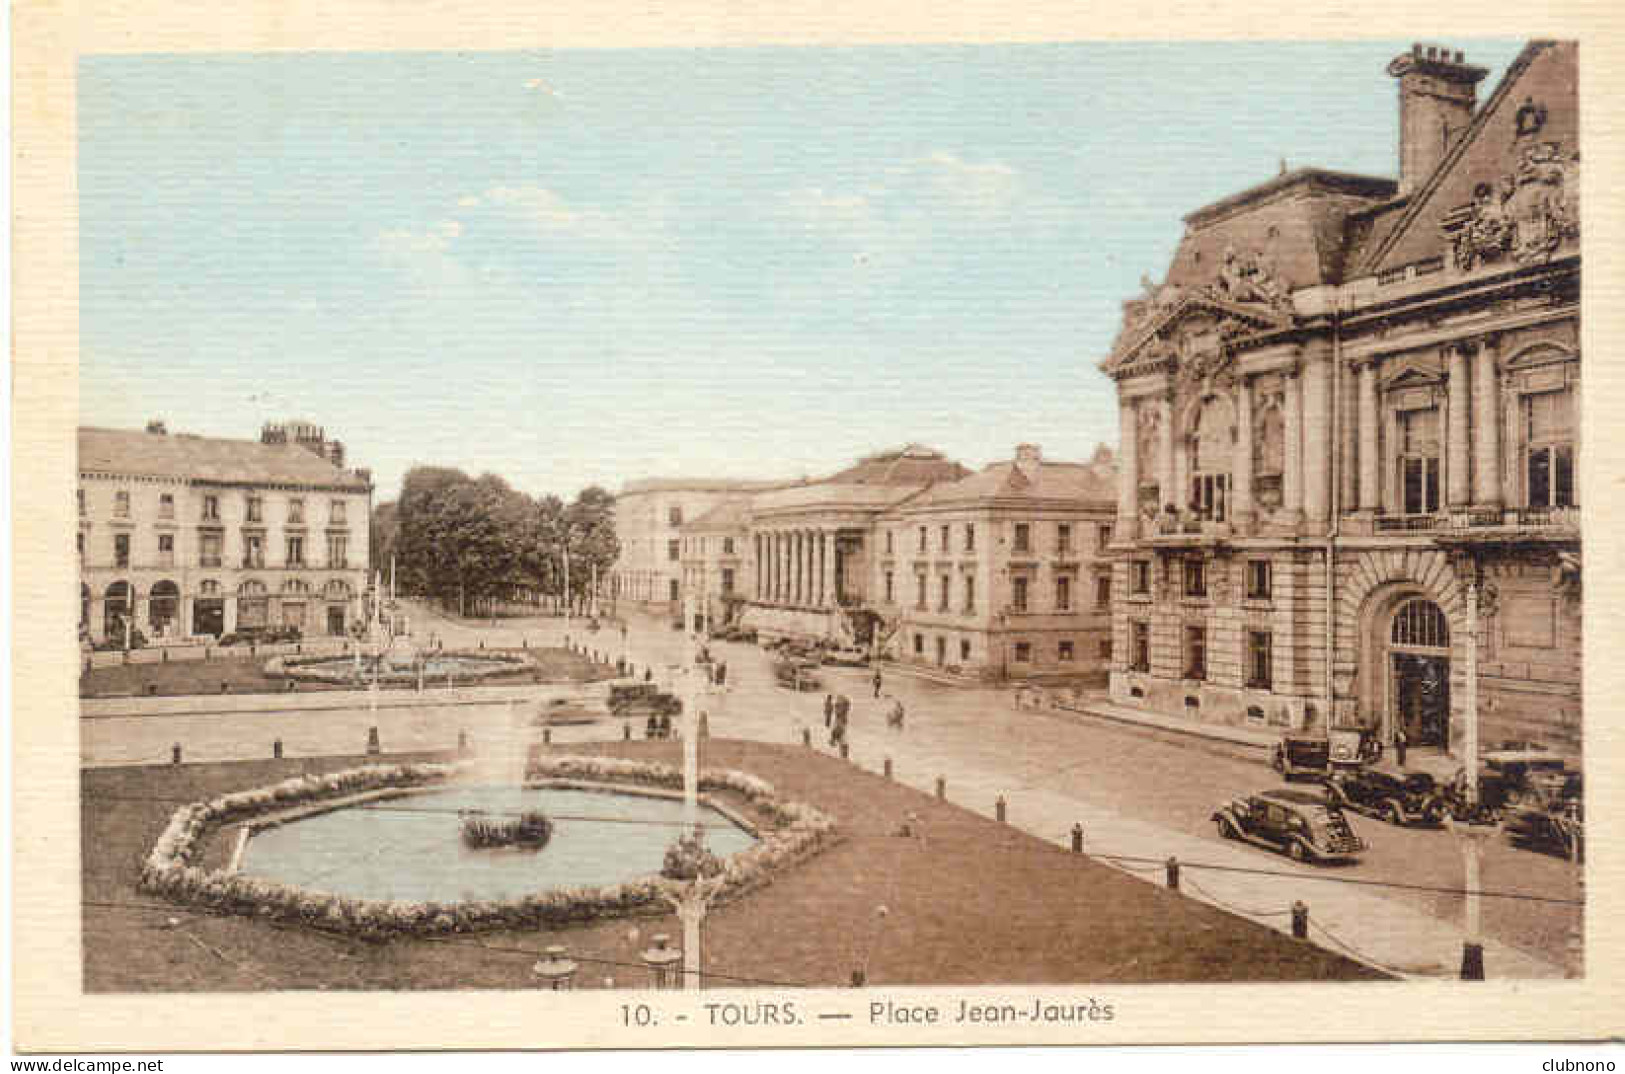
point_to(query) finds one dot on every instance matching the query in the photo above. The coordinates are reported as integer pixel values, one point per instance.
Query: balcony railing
(1532, 517)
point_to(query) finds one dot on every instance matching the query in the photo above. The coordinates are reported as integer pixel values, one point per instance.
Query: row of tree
(473, 542)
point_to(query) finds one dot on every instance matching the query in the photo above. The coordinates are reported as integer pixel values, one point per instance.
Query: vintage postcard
(726, 530)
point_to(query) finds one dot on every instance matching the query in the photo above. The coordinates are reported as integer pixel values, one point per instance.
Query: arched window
(164, 605)
(337, 589)
(295, 586)
(1420, 623)
(252, 608)
(208, 588)
(1212, 445)
(118, 605)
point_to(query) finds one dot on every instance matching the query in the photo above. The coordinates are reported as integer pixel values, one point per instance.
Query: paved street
(1138, 793)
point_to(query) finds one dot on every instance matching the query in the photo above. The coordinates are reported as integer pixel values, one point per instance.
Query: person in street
(652, 728)
(895, 717)
(722, 673)
(1400, 743)
(829, 709)
(877, 683)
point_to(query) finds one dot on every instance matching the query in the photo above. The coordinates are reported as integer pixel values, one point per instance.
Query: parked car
(846, 658)
(1551, 816)
(798, 673)
(1405, 798)
(1318, 754)
(1302, 824)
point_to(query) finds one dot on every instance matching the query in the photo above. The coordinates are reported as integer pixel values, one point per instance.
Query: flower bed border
(293, 667)
(799, 831)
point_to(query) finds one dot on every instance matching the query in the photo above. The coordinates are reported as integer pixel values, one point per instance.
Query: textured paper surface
(51, 1013)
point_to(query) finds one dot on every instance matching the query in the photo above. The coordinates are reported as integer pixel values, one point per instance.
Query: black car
(1402, 798)
(1303, 824)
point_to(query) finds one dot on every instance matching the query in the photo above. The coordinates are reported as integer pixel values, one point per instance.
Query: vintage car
(1303, 824)
(798, 673)
(1550, 815)
(1402, 798)
(1317, 755)
(837, 656)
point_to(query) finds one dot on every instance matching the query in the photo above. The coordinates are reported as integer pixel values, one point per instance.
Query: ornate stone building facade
(186, 536)
(1349, 474)
(1001, 575)
(649, 516)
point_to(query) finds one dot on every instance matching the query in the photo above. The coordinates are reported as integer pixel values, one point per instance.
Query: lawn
(972, 902)
(246, 675)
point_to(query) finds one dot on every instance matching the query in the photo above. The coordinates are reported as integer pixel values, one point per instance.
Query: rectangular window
(1195, 578)
(336, 513)
(121, 549)
(943, 585)
(942, 538)
(253, 550)
(919, 644)
(209, 550)
(1419, 461)
(166, 505)
(1063, 594)
(1105, 534)
(922, 539)
(211, 509)
(1064, 652)
(296, 512)
(674, 550)
(1139, 577)
(1196, 652)
(1103, 591)
(1259, 663)
(1139, 645)
(1549, 450)
(166, 550)
(1018, 594)
(1024, 652)
(970, 593)
(81, 503)
(727, 581)
(964, 650)
(338, 546)
(296, 551)
(1208, 496)
(970, 536)
(890, 592)
(256, 509)
(889, 545)
(675, 516)
(727, 546)
(1105, 649)
(80, 543)
(121, 504)
(1258, 579)
(1023, 537)
(1063, 537)
(919, 592)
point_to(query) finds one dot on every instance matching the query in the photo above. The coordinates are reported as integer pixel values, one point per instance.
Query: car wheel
(1226, 829)
(1297, 852)
(1392, 815)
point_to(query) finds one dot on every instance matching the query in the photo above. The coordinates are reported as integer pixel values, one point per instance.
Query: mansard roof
(209, 460)
(1086, 485)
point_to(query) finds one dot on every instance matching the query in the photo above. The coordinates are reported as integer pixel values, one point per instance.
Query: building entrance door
(209, 616)
(942, 651)
(1422, 698)
(335, 621)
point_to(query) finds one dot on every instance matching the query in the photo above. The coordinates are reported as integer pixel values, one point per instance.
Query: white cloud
(815, 205)
(425, 255)
(988, 189)
(536, 204)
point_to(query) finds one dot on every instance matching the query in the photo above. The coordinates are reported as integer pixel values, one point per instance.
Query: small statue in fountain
(530, 830)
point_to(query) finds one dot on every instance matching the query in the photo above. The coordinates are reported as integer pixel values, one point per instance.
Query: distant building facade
(1002, 574)
(1348, 468)
(186, 535)
(649, 516)
(716, 572)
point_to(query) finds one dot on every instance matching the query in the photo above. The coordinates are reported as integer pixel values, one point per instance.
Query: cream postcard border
(50, 1011)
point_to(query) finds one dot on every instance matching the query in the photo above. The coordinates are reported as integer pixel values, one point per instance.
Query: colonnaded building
(190, 536)
(1349, 475)
(992, 575)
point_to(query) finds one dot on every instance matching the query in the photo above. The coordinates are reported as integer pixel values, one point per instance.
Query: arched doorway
(209, 609)
(163, 605)
(1418, 663)
(119, 603)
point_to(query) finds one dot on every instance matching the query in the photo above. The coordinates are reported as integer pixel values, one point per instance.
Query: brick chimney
(1437, 95)
(1029, 458)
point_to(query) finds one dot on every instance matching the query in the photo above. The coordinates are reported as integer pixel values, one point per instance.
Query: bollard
(1300, 920)
(163, 656)
(175, 754)
(225, 687)
(293, 684)
(1472, 961)
(1077, 838)
(462, 741)
(888, 768)
(276, 749)
(372, 741)
(845, 752)
(626, 731)
(298, 648)
(858, 978)
(942, 788)
(806, 737)
(998, 809)
(556, 971)
(152, 689)
(705, 725)
(524, 643)
(547, 736)
(1173, 874)
(250, 648)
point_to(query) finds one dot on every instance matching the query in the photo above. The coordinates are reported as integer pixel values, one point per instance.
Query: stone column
(230, 617)
(1182, 471)
(1370, 463)
(1292, 430)
(798, 576)
(1316, 439)
(1348, 435)
(1241, 465)
(828, 539)
(1486, 429)
(1457, 488)
(1128, 468)
(1165, 461)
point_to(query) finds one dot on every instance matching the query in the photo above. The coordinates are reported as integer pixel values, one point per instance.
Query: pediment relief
(1539, 354)
(1524, 216)
(1193, 324)
(1411, 375)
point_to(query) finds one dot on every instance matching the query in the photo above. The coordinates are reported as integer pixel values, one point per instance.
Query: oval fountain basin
(434, 667)
(411, 847)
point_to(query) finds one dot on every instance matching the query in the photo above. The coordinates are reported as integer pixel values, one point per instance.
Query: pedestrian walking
(829, 708)
(722, 673)
(894, 719)
(1400, 742)
(877, 683)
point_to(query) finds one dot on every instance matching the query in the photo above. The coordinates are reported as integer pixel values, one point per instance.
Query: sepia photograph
(939, 541)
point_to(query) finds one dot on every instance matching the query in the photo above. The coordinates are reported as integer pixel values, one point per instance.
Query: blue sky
(585, 266)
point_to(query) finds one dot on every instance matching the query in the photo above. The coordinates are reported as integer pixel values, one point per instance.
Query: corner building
(1349, 475)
